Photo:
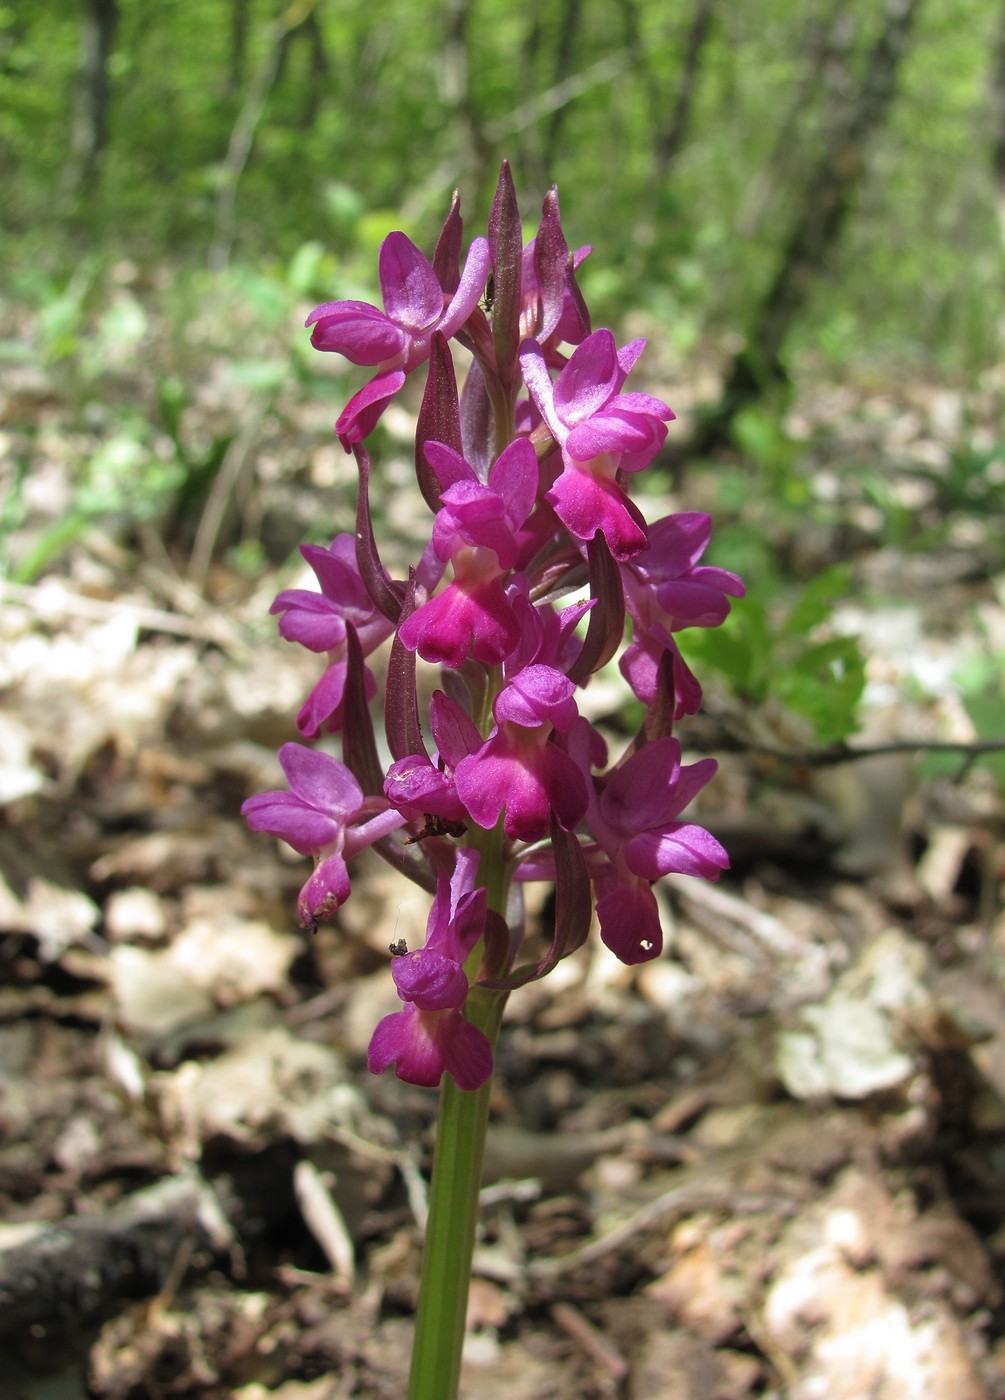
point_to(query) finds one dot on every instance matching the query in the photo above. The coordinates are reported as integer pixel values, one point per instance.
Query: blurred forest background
(802, 206)
(791, 196)
(863, 141)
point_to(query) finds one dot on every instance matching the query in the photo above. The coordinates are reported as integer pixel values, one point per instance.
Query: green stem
(453, 1217)
(460, 1150)
(457, 1166)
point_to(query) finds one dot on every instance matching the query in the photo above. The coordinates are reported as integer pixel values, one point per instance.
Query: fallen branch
(831, 754)
(686, 1199)
(60, 1276)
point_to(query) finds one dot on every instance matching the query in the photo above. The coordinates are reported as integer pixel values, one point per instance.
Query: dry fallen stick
(415, 1184)
(59, 1276)
(324, 1220)
(52, 600)
(594, 1343)
(762, 928)
(658, 1214)
(556, 1161)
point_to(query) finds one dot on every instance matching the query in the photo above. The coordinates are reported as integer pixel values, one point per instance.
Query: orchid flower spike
(533, 556)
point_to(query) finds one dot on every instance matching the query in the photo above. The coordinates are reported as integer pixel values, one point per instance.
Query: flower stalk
(452, 1222)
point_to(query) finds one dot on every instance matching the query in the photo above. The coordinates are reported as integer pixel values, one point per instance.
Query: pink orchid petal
(422, 1045)
(449, 466)
(413, 782)
(640, 668)
(615, 432)
(515, 477)
(473, 278)
(538, 381)
(630, 922)
(628, 356)
(413, 297)
(324, 702)
(360, 332)
(683, 849)
(585, 505)
(454, 731)
(458, 623)
(467, 1054)
(639, 792)
(642, 404)
(308, 618)
(429, 980)
(592, 376)
(692, 603)
(321, 780)
(652, 788)
(327, 889)
(338, 574)
(284, 815)
(538, 695)
(677, 542)
(361, 414)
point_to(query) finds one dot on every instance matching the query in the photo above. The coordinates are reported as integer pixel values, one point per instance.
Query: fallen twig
(62, 1275)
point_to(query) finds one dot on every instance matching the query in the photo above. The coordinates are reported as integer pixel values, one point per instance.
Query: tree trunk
(563, 67)
(670, 138)
(238, 47)
(828, 199)
(997, 101)
(242, 136)
(313, 88)
(670, 110)
(824, 64)
(319, 73)
(89, 123)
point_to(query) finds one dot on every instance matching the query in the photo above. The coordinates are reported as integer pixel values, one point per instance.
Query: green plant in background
(779, 644)
(975, 479)
(123, 482)
(760, 434)
(982, 685)
(980, 682)
(131, 154)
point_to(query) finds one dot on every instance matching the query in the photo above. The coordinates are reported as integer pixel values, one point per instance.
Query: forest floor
(770, 1164)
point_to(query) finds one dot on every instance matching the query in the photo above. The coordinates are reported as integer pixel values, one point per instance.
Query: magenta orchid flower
(636, 827)
(319, 817)
(520, 768)
(533, 556)
(419, 785)
(666, 590)
(640, 665)
(475, 529)
(398, 338)
(601, 432)
(318, 621)
(666, 586)
(430, 1036)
